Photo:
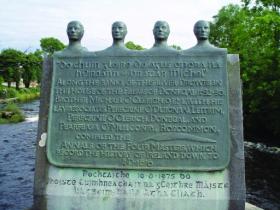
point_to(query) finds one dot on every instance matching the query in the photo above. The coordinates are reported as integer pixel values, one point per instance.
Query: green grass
(21, 95)
(16, 114)
(27, 94)
(27, 97)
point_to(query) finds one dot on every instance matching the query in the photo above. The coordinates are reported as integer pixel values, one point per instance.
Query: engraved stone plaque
(140, 111)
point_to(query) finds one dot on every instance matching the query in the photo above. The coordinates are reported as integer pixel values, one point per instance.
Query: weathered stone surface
(96, 183)
(42, 164)
(140, 111)
(52, 184)
(236, 167)
(131, 189)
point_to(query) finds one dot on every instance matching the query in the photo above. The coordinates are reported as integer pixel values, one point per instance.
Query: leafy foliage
(11, 61)
(32, 68)
(132, 46)
(6, 92)
(50, 44)
(253, 31)
(28, 94)
(16, 65)
(11, 114)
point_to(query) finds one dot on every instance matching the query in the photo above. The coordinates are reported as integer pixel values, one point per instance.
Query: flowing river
(17, 159)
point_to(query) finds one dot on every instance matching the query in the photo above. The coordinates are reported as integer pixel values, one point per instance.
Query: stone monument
(201, 30)
(119, 31)
(161, 33)
(147, 130)
(75, 32)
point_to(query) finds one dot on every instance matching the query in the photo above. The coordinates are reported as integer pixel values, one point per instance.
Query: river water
(17, 159)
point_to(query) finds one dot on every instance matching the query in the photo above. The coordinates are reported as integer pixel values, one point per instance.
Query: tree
(132, 46)
(11, 61)
(49, 45)
(39, 61)
(32, 68)
(253, 31)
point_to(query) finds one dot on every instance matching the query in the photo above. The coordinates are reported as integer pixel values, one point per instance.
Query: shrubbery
(253, 31)
(6, 92)
(27, 94)
(11, 114)
(23, 94)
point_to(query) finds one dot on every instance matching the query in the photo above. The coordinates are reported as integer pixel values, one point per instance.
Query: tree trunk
(17, 85)
(27, 84)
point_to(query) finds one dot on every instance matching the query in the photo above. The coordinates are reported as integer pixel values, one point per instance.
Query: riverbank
(9, 97)
(11, 94)
(11, 113)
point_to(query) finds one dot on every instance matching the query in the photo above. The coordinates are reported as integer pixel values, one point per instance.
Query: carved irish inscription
(140, 112)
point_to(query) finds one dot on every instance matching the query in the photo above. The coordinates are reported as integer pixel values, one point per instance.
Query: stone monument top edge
(161, 30)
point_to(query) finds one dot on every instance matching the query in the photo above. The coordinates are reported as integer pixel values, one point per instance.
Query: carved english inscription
(149, 112)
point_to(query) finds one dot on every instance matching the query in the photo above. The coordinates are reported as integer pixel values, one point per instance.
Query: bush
(3, 92)
(6, 92)
(27, 97)
(16, 118)
(11, 93)
(27, 94)
(15, 114)
(12, 108)
(34, 90)
(23, 90)
(22, 95)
